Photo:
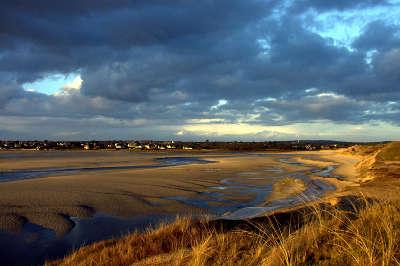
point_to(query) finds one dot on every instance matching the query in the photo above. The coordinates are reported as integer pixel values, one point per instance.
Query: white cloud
(236, 129)
(76, 84)
(221, 102)
(322, 129)
(204, 120)
(329, 95)
(70, 87)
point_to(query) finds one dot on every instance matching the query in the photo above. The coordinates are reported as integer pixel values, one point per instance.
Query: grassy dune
(390, 152)
(380, 162)
(355, 231)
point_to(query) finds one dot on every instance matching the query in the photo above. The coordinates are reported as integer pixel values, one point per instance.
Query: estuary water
(35, 173)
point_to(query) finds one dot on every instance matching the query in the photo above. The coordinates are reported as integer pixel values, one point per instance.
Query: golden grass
(355, 232)
(364, 235)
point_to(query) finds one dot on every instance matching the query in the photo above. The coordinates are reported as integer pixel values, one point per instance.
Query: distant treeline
(269, 145)
(177, 145)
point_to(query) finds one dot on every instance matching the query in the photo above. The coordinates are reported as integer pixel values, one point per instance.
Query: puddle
(236, 210)
(315, 189)
(211, 170)
(219, 188)
(274, 170)
(35, 244)
(35, 173)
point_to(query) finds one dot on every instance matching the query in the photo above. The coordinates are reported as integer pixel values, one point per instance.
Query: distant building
(134, 145)
(147, 146)
(118, 146)
(131, 145)
(87, 146)
(187, 148)
(310, 147)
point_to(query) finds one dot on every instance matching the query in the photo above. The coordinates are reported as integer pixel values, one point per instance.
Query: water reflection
(34, 173)
(35, 244)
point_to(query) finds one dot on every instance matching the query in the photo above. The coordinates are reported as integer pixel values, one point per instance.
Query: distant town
(148, 145)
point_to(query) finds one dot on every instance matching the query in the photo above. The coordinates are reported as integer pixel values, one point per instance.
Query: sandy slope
(346, 163)
(372, 170)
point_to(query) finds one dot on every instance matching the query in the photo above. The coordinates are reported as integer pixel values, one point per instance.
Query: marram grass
(357, 232)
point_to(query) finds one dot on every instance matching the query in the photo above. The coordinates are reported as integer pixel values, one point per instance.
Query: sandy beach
(50, 201)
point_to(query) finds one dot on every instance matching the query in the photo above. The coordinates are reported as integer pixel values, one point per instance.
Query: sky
(246, 70)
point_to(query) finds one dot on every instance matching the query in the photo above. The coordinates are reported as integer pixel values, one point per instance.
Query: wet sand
(345, 175)
(19, 160)
(346, 163)
(51, 200)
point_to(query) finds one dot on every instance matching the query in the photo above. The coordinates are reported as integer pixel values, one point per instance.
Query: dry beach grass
(358, 232)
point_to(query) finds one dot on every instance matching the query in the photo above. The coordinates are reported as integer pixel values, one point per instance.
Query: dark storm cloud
(48, 36)
(9, 89)
(378, 35)
(172, 61)
(302, 59)
(320, 106)
(323, 5)
(123, 23)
